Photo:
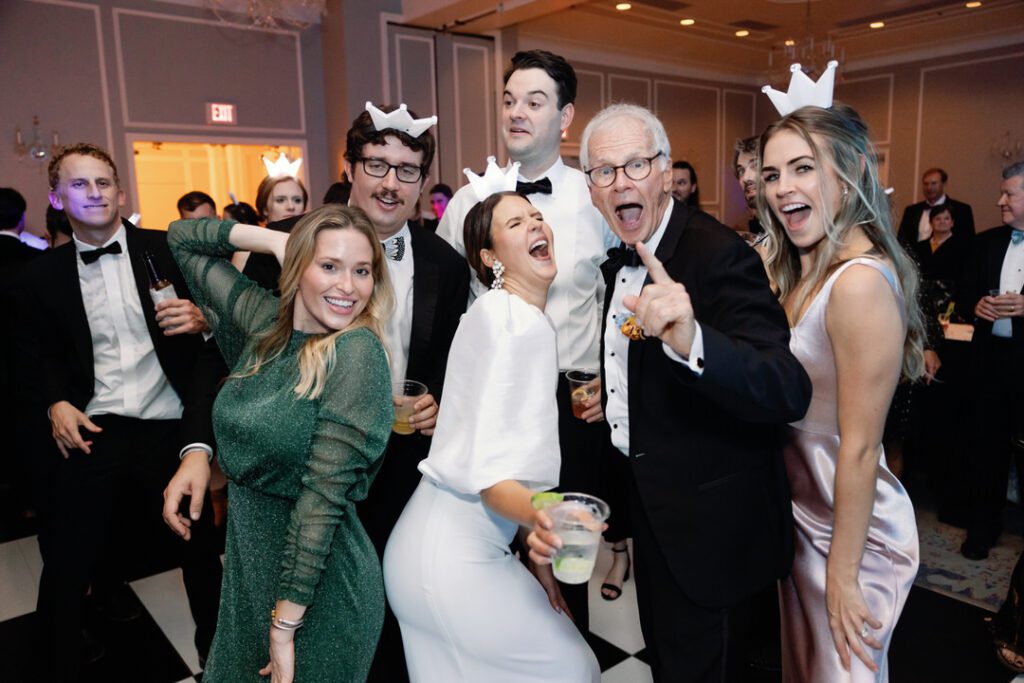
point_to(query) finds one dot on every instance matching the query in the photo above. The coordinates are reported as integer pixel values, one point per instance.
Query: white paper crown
(282, 167)
(803, 92)
(493, 180)
(399, 119)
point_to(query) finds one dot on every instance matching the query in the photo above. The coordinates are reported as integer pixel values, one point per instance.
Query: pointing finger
(654, 267)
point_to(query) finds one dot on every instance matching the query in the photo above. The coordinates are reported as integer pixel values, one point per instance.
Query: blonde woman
(301, 425)
(850, 293)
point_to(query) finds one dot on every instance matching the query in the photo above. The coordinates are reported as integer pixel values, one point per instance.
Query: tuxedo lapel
(425, 283)
(68, 295)
(995, 258)
(135, 250)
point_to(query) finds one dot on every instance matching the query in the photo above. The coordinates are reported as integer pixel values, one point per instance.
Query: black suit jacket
(14, 253)
(963, 221)
(982, 274)
(706, 452)
(55, 335)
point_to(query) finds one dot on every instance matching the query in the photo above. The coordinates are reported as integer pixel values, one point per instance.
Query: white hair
(610, 114)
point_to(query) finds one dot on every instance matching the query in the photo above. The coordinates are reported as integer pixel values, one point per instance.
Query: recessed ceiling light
(687, 22)
(743, 33)
(972, 5)
(877, 24)
(790, 43)
(623, 6)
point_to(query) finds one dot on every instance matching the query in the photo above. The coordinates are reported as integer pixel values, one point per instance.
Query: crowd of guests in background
(738, 394)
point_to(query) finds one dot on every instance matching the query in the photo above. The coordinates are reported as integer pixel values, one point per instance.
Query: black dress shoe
(974, 552)
(117, 603)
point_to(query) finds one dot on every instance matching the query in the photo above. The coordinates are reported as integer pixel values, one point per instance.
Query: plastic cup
(581, 389)
(578, 521)
(406, 393)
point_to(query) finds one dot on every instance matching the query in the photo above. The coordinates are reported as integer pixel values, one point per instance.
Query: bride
(468, 609)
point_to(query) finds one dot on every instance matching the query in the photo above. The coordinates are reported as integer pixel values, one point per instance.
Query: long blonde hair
(317, 356)
(846, 147)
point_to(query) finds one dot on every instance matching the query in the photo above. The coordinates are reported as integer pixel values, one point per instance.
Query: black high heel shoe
(616, 591)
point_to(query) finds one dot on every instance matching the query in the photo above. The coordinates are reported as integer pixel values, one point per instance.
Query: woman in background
(277, 199)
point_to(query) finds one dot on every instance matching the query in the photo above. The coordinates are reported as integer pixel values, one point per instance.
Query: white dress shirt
(581, 236)
(128, 378)
(629, 280)
(1011, 279)
(398, 330)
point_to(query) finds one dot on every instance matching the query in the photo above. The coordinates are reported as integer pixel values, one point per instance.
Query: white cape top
(498, 418)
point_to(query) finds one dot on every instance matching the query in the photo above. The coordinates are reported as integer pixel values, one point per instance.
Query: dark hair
(443, 189)
(935, 169)
(241, 212)
(939, 209)
(190, 201)
(744, 146)
(476, 233)
(555, 66)
(363, 133)
(12, 208)
(267, 186)
(57, 223)
(338, 193)
(84, 149)
(694, 198)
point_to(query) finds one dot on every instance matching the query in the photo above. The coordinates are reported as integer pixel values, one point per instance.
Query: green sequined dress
(295, 468)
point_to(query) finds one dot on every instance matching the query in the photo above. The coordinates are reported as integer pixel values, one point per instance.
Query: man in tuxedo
(388, 168)
(696, 404)
(127, 387)
(537, 106)
(13, 252)
(997, 349)
(744, 166)
(915, 226)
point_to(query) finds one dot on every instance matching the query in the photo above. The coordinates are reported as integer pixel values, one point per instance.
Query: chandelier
(812, 52)
(284, 14)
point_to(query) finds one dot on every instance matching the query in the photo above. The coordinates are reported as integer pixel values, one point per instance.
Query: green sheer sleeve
(352, 429)
(235, 307)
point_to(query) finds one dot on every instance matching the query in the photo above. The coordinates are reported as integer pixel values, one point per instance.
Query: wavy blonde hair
(838, 138)
(317, 356)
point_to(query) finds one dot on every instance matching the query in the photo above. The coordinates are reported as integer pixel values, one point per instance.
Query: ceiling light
(623, 6)
(790, 43)
(972, 5)
(742, 34)
(687, 22)
(877, 24)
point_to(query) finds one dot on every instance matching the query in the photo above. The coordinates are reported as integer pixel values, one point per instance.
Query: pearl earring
(498, 269)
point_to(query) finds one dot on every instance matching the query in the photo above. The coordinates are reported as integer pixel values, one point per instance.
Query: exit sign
(223, 114)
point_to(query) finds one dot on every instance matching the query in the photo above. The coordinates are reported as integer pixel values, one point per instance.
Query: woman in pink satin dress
(850, 293)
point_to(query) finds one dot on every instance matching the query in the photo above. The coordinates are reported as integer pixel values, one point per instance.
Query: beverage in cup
(405, 392)
(582, 387)
(578, 519)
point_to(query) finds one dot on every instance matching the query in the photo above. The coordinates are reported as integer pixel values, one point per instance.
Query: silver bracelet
(284, 624)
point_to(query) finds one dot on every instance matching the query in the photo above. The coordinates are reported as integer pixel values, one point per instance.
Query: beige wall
(946, 112)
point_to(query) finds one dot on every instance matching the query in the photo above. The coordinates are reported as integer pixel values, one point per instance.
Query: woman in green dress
(301, 424)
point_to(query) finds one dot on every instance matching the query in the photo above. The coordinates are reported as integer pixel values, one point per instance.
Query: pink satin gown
(890, 559)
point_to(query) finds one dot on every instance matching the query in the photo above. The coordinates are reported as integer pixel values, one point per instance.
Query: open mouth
(795, 214)
(539, 250)
(388, 201)
(518, 131)
(340, 305)
(629, 215)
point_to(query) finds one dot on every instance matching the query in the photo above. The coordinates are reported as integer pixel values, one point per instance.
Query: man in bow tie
(127, 387)
(388, 168)
(696, 405)
(536, 108)
(992, 290)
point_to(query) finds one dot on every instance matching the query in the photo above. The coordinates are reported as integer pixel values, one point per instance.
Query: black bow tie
(394, 248)
(622, 256)
(93, 255)
(542, 186)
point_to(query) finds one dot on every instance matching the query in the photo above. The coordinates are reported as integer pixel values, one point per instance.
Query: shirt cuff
(197, 447)
(696, 360)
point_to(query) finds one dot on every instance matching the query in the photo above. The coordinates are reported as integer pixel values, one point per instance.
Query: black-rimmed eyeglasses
(378, 168)
(635, 169)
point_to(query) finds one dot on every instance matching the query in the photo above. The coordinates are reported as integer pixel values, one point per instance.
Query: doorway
(165, 170)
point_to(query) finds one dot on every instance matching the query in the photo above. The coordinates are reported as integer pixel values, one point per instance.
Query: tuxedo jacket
(982, 275)
(963, 220)
(55, 335)
(13, 254)
(706, 452)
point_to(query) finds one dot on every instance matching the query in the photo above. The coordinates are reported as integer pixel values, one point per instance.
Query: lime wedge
(539, 501)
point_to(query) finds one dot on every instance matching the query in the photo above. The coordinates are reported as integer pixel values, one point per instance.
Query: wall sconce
(35, 150)
(1008, 149)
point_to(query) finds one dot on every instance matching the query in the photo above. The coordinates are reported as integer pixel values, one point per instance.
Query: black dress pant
(86, 502)
(998, 401)
(686, 642)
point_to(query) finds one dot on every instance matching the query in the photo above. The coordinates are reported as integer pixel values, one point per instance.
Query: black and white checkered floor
(157, 648)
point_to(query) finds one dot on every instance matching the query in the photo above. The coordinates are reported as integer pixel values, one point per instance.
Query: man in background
(197, 204)
(915, 225)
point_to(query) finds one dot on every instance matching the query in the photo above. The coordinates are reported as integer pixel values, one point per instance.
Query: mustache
(389, 195)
